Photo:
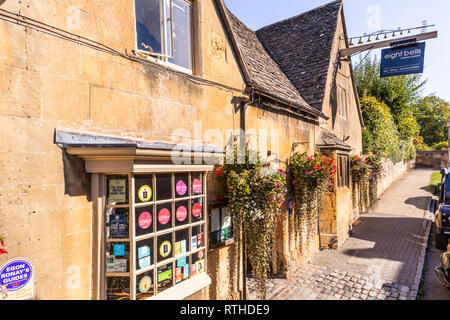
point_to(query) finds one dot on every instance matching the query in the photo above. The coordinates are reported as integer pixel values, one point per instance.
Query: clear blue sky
(367, 16)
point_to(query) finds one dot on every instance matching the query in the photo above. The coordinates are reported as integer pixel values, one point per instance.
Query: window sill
(185, 289)
(168, 65)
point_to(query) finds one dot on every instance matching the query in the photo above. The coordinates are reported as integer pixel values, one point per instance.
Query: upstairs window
(164, 30)
(343, 108)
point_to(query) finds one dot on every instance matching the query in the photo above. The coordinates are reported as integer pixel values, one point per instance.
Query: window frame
(164, 58)
(343, 177)
(132, 239)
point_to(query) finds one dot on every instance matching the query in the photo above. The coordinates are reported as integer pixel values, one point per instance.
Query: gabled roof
(262, 73)
(302, 47)
(328, 140)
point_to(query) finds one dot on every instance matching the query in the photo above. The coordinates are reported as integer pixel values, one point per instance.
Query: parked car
(442, 217)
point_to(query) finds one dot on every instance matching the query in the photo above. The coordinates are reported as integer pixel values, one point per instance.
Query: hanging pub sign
(403, 58)
(17, 280)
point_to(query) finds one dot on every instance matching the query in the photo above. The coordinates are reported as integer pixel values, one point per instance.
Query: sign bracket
(383, 44)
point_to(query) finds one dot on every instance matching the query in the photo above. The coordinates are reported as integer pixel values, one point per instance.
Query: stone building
(111, 124)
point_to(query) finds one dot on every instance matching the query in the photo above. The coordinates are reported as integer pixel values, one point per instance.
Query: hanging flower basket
(254, 192)
(365, 171)
(311, 177)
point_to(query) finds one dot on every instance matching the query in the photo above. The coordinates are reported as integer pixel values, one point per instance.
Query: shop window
(164, 29)
(343, 172)
(154, 235)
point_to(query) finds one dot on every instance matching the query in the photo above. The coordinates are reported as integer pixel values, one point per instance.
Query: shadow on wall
(2, 2)
(76, 181)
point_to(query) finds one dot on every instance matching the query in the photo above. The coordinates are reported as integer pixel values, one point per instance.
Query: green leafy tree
(432, 114)
(380, 123)
(400, 94)
(420, 144)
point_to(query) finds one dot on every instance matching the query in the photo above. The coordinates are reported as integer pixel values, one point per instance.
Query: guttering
(288, 103)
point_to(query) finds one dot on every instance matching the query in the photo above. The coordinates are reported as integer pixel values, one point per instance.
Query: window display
(164, 216)
(145, 286)
(197, 184)
(117, 190)
(197, 209)
(181, 185)
(117, 223)
(163, 187)
(167, 239)
(118, 288)
(181, 213)
(143, 188)
(144, 220)
(165, 277)
(144, 256)
(117, 257)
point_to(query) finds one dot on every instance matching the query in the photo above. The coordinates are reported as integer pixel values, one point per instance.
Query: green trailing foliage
(310, 178)
(255, 193)
(365, 173)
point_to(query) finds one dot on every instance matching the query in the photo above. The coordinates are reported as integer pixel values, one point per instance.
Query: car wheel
(441, 241)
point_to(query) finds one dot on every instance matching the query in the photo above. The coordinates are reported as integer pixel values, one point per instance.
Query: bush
(367, 141)
(440, 146)
(381, 125)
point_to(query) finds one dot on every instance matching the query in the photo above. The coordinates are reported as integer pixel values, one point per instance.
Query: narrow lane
(384, 257)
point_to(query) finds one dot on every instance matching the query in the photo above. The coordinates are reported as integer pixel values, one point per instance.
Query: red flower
(219, 173)
(3, 251)
(220, 198)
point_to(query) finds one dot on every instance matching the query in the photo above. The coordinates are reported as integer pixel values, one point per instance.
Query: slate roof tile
(264, 72)
(301, 46)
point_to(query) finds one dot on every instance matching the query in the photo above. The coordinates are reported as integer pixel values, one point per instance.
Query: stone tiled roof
(329, 140)
(301, 46)
(262, 72)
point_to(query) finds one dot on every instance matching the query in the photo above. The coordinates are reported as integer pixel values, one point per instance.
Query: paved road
(383, 258)
(432, 289)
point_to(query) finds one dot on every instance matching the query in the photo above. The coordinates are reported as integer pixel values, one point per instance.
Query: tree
(400, 94)
(384, 139)
(432, 114)
(420, 144)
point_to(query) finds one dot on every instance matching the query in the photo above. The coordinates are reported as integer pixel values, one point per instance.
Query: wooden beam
(382, 44)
